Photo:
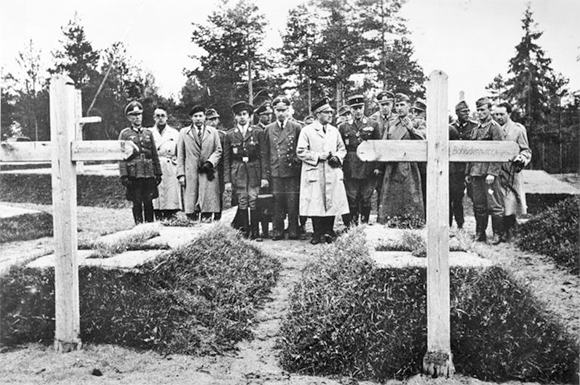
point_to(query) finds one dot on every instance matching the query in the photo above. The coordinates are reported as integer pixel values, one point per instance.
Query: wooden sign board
(416, 151)
(97, 150)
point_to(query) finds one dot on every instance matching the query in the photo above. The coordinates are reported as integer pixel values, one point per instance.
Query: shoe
(481, 237)
(328, 238)
(277, 237)
(496, 239)
(315, 240)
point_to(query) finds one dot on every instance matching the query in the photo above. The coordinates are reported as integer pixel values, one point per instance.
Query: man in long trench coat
(514, 196)
(322, 193)
(198, 153)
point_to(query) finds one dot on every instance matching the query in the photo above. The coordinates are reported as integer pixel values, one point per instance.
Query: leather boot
(497, 224)
(365, 215)
(480, 227)
(254, 223)
(346, 220)
(509, 223)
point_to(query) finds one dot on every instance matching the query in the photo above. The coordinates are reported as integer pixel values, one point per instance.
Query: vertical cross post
(63, 124)
(438, 360)
(78, 126)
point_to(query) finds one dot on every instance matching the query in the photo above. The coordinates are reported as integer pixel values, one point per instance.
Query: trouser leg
(318, 229)
(278, 217)
(292, 206)
(254, 222)
(352, 187)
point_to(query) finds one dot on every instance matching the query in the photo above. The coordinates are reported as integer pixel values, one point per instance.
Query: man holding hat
(322, 193)
(212, 118)
(359, 177)
(484, 177)
(166, 137)
(401, 194)
(246, 168)
(461, 129)
(198, 153)
(141, 172)
(281, 138)
(264, 112)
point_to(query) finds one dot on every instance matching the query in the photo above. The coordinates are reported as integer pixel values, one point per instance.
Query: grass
(199, 299)
(350, 318)
(135, 240)
(412, 242)
(25, 227)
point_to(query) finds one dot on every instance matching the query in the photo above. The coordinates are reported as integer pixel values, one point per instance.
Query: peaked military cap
(321, 106)
(482, 102)
(356, 100)
(211, 113)
(281, 100)
(420, 105)
(461, 106)
(344, 110)
(401, 97)
(197, 108)
(385, 96)
(242, 106)
(264, 108)
(134, 108)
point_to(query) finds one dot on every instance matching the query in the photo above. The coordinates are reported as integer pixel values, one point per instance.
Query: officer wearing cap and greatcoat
(141, 172)
(198, 153)
(401, 194)
(281, 138)
(484, 177)
(212, 119)
(460, 129)
(359, 177)
(246, 168)
(322, 193)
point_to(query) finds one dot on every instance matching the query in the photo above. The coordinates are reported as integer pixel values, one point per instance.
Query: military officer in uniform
(246, 168)
(141, 172)
(401, 194)
(281, 138)
(360, 178)
(420, 110)
(169, 201)
(264, 113)
(460, 129)
(484, 177)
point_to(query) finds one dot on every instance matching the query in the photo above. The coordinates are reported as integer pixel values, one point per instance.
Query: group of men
(311, 168)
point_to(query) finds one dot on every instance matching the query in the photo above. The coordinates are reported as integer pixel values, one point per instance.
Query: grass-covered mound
(25, 226)
(350, 318)
(554, 233)
(196, 300)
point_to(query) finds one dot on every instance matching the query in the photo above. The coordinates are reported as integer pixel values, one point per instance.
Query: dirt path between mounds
(256, 361)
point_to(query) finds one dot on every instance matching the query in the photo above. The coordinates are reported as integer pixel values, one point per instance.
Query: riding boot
(365, 215)
(509, 223)
(480, 227)
(497, 225)
(254, 225)
(346, 220)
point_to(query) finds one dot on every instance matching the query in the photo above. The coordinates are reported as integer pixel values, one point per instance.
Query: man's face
(325, 117)
(281, 113)
(500, 115)
(386, 107)
(135, 119)
(265, 118)
(358, 111)
(198, 119)
(402, 108)
(463, 115)
(212, 121)
(242, 118)
(483, 112)
(160, 117)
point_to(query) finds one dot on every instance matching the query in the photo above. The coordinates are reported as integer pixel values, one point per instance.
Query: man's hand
(323, 156)
(157, 179)
(334, 161)
(489, 179)
(125, 180)
(181, 180)
(264, 183)
(206, 167)
(377, 172)
(468, 179)
(228, 187)
(210, 174)
(519, 163)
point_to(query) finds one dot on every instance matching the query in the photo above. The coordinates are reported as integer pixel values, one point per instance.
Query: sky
(470, 40)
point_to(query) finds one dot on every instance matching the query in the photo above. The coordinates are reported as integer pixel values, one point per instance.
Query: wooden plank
(416, 151)
(78, 126)
(12, 152)
(438, 308)
(101, 150)
(64, 195)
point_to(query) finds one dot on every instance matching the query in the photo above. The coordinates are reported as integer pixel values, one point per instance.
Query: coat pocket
(312, 174)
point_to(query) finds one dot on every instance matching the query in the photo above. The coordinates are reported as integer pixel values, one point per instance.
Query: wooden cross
(63, 151)
(437, 151)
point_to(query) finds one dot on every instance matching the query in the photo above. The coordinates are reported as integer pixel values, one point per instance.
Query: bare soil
(255, 361)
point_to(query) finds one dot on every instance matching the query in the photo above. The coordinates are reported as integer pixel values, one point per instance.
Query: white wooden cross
(63, 151)
(437, 151)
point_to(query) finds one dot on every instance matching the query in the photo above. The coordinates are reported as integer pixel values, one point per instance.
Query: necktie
(324, 128)
(199, 133)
